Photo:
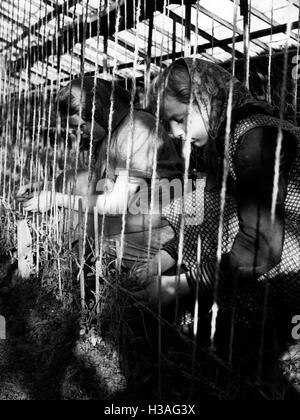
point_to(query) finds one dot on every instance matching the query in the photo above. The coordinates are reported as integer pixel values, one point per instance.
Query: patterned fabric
(211, 86)
(202, 209)
(194, 214)
(284, 279)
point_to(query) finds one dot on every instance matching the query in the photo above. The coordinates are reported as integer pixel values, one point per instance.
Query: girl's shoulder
(254, 121)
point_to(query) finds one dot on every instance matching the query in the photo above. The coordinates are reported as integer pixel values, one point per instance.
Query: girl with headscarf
(113, 188)
(193, 97)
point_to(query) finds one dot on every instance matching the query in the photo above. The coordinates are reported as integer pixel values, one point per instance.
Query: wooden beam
(145, 39)
(203, 34)
(64, 42)
(229, 25)
(202, 48)
(128, 46)
(10, 19)
(43, 21)
(253, 35)
(264, 18)
(296, 3)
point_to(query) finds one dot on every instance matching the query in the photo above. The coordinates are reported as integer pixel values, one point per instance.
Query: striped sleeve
(171, 247)
(205, 276)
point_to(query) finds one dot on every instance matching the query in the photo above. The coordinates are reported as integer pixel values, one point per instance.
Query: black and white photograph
(150, 203)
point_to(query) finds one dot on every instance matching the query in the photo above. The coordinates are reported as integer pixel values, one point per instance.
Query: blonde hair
(141, 135)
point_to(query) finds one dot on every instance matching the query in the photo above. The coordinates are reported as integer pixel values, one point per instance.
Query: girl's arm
(258, 245)
(112, 202)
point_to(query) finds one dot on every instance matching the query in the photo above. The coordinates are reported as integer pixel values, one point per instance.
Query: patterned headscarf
(211, 85)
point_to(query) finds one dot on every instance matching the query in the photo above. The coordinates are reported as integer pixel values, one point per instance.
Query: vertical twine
(247, 24)
(297, 73)
(187, 38)
(83, 222)
(111, 111)
(148, 59)
(276, 173)
(196, 305)
(269, 91)
(96, 216)
(69, 212)
(215, 307)
(137, 11)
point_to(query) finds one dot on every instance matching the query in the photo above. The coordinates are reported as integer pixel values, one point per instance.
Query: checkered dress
(284, 279)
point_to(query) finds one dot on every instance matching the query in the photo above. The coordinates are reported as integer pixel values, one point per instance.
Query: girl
(116, 186)
(255, 250)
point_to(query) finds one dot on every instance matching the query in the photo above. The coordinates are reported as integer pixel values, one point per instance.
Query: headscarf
(211, 86)
(121, 100)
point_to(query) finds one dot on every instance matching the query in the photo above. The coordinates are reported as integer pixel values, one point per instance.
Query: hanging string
(187, 38)
(137, 12)
(215, 307)
(11, 101)
(82, 229)
(276, 173)
(148, 59)
(247, 23)
(2, 89)
(13, 154)
(154, 167)
(269, 91)
(187, 155)
(8, 100)
(296, 77)
(22, 96)
(48, 218)
(18, 123)
(91, 145)
(196, 305)
(41, 224)
(110, 120)
(96, 216)
(69, 212)
(36, 141)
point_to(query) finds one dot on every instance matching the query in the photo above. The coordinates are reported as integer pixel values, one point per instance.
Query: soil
(54, 351)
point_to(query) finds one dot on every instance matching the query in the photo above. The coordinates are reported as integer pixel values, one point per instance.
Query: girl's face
(182, 124)
(85, 127)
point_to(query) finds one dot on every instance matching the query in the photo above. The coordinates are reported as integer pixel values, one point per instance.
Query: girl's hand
(42, 202)
(164, 290)
(162, 262)
(144, 273)
(27, 189)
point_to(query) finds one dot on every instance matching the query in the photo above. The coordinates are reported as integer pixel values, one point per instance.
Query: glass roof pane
(219, 53)
(278, 40)
(253, 49)
(31, 11)
(206, 22)
(266, 5)
(8, 31)
(225, 11)
(281, 15)
(133, 40)
(257, 24)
